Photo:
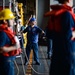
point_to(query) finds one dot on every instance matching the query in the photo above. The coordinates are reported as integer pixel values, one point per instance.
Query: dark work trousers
(6, 65)
(21, 40)
(49, 47)
(63, 57)
(73, 61)
(34, 47)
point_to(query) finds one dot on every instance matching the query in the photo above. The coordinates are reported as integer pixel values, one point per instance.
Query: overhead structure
(20, 7)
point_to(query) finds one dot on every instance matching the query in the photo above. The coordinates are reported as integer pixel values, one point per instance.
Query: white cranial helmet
(19, 20)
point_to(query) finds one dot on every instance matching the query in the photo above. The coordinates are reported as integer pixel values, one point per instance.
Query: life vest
(54, 22)
(10, 34)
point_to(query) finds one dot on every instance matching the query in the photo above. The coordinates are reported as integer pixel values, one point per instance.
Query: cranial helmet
(19, 20)
(32, 19)
(6, 14)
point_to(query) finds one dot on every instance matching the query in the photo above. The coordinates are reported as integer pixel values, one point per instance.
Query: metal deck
(33, 69)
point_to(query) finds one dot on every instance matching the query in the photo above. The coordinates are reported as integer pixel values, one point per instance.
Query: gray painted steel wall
(42, 6)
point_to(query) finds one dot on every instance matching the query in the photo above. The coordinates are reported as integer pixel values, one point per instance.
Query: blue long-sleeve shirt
(4, 40)
(67, 23)
(32, 33)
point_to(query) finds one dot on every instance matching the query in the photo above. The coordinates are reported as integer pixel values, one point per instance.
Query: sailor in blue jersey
(32, 40)
(8, 44)
(61, 27)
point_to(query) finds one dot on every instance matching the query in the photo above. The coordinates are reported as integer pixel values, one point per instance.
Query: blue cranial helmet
(32, 19)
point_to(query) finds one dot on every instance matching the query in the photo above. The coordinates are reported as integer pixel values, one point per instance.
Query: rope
(16, 67)
(22, 64)
(31, 65)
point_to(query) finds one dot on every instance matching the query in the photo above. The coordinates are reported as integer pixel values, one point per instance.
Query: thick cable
(16, 67)
(30, 64)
